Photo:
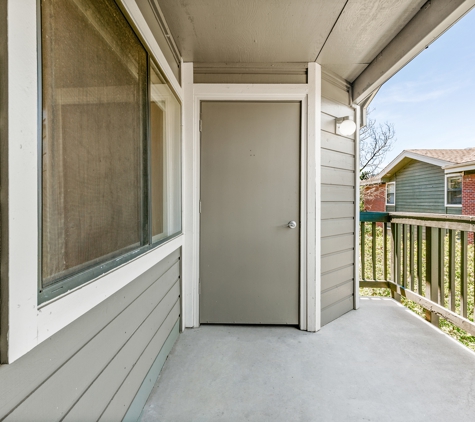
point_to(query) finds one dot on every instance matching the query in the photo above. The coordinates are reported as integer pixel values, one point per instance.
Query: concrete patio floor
(380, 363)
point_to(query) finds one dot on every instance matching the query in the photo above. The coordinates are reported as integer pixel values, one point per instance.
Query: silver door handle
(292, 224)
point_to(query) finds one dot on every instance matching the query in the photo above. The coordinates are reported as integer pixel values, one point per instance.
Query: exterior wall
(96, 351)
(374, 197)
(338, 158)
(468, 194)
(95, 368)
(420, 187)
(468, 199)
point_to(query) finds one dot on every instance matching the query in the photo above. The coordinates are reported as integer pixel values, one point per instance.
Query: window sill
(60, 312)
(90, 275)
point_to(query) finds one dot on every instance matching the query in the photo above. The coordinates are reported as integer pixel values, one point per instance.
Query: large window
(110, 144)
(391, 193)
(454, 190)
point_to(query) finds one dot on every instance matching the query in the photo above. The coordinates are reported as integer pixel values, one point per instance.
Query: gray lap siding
(94, 367)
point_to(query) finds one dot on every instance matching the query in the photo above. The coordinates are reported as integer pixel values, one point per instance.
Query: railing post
(463, 274)
(363, 258)
(419, 260)
(432, 271)
(411, 256)
(441, 292)
(385, 251)
(395, 258)
(404, 255)
(373, 248)
(452, 269)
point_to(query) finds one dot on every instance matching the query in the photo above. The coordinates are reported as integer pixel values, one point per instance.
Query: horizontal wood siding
(420, 187)
(338, 206)
(93, 368)
(453, 210)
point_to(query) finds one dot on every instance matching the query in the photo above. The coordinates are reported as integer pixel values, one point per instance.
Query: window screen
(94, 77)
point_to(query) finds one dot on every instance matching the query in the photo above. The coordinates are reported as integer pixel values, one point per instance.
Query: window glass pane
(455, 182)
(94, 90)
(390, 193)
(454, 190)
(454, 197)
(165, 138)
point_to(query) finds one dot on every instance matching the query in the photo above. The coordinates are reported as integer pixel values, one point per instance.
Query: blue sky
(431, 101)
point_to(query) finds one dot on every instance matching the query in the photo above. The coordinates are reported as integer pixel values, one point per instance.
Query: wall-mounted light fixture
(345, 126)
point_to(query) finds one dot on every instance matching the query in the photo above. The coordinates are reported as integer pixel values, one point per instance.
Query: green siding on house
(420, 187)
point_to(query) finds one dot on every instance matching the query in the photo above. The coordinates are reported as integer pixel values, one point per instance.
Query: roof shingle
(455, 156)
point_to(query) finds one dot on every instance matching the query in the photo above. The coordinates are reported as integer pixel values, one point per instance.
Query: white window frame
(447, 176)
(386, 194)
(28, 323)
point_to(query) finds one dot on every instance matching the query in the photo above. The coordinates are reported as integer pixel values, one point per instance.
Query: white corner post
(190, 282)
(19, 325)
(314, 198)
(356, 295)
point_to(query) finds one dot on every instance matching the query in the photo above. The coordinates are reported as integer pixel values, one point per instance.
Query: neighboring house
(438, 181)
(170, 163)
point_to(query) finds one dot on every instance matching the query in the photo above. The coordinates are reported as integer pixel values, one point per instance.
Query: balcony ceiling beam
(433, 19)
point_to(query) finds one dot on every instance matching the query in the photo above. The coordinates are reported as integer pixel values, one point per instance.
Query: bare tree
(376, 140)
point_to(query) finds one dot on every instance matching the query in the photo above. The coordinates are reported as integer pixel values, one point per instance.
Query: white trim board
(310, 232)
(139, 21)
(459, 167)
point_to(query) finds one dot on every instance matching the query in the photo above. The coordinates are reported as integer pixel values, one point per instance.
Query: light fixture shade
(345, 126)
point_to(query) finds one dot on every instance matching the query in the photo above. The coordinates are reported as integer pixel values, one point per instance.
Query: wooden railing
(425, 258)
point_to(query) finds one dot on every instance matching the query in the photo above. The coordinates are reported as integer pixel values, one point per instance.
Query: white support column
(356, 296)
(22, 182)
(189, 229)
(314, 198)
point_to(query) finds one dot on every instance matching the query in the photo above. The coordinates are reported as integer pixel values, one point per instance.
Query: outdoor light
(345, 126)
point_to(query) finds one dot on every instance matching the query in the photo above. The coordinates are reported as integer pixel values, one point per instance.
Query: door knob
(292, 224)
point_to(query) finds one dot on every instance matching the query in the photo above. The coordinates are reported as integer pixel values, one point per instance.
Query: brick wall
(375, 197)
(468, 198)
(468, 194)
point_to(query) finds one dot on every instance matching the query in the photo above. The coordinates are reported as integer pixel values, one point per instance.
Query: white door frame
(310, 210)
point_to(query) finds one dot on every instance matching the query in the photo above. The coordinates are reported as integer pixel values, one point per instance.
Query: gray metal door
(249, 257)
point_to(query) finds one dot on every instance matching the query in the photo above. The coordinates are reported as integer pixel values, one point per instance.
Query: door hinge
(200, 207)
(199, 287)
(201, 125)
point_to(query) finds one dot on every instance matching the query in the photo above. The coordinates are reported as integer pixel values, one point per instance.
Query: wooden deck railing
(425, 258)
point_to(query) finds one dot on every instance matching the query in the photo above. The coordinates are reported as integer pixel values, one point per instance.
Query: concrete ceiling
(342, 35)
